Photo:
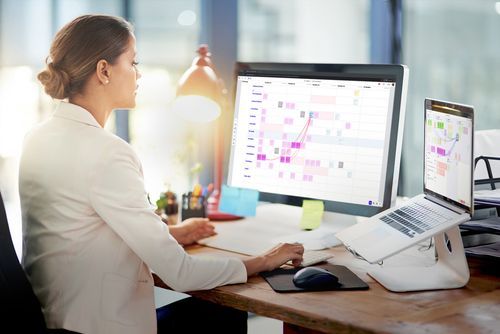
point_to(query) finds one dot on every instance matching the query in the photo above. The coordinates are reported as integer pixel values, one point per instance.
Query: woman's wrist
(176, 233)
(256, 264)
(274, 258)
(266, 263)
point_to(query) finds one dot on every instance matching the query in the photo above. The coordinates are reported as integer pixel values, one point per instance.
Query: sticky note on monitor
(312, 214)
(238, 201)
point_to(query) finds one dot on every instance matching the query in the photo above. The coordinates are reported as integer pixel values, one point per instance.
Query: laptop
(448, 188)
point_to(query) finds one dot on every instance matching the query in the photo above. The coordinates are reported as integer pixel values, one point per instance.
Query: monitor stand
(449, 272)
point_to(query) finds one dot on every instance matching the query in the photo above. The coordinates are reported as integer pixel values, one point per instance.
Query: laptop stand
(449, 272)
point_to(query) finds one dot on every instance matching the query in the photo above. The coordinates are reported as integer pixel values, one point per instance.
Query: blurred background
(450, 46)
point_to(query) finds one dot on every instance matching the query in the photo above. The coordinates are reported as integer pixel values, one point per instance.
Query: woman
(91, 238)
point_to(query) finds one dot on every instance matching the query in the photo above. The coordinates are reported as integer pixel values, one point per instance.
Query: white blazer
(91, 238)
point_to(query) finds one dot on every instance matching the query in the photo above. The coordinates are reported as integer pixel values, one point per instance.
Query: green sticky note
(312, 213)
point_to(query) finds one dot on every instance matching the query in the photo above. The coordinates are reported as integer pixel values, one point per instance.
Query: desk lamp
(201, 97)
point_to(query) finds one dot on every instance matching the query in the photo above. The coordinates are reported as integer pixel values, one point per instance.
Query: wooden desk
(472, 309)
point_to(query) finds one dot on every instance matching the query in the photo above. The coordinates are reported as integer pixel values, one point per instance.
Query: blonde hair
(77, 48)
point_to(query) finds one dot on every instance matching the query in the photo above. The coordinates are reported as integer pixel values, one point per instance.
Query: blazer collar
(75, 113)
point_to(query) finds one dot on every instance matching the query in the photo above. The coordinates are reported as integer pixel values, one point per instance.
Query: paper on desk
(491, 225)
(490, 250)
(238, 201)
(317, 239)
(487, 197)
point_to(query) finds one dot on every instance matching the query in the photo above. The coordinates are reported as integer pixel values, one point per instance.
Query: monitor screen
(448, 154)
(326, 132)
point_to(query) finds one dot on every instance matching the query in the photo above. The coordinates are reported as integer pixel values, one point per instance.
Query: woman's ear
(103, 70)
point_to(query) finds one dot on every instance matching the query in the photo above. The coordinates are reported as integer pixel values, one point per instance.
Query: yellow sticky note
(312, 213)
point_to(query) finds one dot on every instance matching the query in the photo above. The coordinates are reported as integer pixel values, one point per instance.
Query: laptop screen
(448, 152)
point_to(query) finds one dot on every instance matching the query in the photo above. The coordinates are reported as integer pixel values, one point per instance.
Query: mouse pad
(281, 279)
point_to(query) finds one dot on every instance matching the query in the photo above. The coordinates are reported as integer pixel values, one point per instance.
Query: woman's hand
(274, 258)
(192, 230)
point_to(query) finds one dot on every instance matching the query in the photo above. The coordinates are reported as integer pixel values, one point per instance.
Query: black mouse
(313, 278)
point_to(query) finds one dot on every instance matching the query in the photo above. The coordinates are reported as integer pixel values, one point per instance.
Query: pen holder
(193, 206)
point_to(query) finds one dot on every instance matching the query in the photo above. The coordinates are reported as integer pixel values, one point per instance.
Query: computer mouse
(314, 278)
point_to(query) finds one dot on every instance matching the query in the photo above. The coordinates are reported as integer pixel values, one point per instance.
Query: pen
(197, 190)
(210, 189)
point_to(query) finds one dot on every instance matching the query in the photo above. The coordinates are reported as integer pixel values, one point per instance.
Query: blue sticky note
(238, 201)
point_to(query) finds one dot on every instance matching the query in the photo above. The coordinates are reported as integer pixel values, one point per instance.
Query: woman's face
(123, 78)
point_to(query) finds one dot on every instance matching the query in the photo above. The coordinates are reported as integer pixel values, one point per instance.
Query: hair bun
(55, 81)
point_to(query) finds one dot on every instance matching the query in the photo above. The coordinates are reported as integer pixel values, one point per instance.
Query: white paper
(489, 223)
(492, 250)
(487, 196)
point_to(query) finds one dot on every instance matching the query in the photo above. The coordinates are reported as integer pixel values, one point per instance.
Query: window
(24, 44)
(167, 38)
(167, 34)
(452, 50)
(329, 31)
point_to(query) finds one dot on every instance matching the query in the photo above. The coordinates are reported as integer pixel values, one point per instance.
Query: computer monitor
(330, 132)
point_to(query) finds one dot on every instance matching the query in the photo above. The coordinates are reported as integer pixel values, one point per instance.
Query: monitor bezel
(396, 73)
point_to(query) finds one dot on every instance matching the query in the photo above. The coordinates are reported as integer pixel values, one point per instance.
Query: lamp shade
(200, 91)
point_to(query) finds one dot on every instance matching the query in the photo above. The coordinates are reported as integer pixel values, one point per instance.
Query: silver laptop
(448, 191)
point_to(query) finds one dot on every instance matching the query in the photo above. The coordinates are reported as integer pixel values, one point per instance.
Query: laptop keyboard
(415, 218)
